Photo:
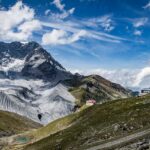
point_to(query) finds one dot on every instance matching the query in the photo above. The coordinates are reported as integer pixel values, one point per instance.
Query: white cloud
(147, 6)
(74, 27)
(59, 5)
(125, 77)
(14, 36)
(19, 23)
(137, 32)
(47, 12)
(14, 20)
(141, 76)
(104, 22)
(64, 13)
(61, 37)
(15, 15)
(137, 24)
(140, 22)
(71, 11)
(134, 79)
(104, 37)
(30, 26)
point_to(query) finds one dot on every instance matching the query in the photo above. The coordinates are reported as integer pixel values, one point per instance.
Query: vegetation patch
(11, 123)
(98, 124)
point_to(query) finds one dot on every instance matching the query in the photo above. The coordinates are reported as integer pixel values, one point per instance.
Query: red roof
(91, 101)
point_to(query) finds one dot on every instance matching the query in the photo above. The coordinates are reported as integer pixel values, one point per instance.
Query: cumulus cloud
(61, 37)
(29, 26)
(17, 23)
(145, 72)
(124, 77)
(15, 15)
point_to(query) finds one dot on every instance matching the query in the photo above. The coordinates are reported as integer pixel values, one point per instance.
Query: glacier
(32, 97)
(30, 83)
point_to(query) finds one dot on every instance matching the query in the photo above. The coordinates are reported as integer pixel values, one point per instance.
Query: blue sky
(83, 35)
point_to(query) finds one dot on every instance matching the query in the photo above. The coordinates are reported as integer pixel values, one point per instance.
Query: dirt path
(120, 141)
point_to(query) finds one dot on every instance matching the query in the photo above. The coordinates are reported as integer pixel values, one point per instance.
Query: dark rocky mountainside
(37, 62)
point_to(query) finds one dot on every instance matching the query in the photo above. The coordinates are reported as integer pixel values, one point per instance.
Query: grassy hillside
(96, 124)
(95, 87)
(11, 123)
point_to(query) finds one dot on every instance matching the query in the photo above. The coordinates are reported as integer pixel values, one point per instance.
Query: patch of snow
(12, 65)
(36, 60)
(59, 68)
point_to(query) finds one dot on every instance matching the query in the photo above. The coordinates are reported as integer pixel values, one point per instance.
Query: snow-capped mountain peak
(28, 82)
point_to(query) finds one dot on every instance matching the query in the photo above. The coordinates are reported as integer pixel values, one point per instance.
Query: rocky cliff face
(33, 83)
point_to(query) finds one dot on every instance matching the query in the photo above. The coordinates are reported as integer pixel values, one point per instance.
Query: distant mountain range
(33, 83)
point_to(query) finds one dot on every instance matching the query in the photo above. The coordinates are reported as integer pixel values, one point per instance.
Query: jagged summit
(17, 49)
(40, 64)
(29, 60)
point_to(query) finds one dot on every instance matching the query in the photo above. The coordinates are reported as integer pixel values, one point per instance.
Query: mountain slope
(98, 124)
(33, 84)
(29, 82)
(40, 64)
(95, 87)
(32, 59)
(11, 123)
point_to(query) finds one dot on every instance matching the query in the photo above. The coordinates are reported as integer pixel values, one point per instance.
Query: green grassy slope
(97, 124)
(11, 123)
(54, 127)
(18, 141)
(95, 87)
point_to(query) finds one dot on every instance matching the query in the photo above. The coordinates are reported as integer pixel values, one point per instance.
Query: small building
(145, 91)
(90, 102)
